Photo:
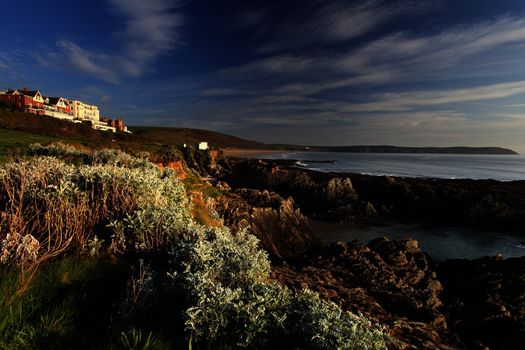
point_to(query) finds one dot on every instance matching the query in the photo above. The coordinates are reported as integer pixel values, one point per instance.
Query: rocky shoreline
(366, 199)
(476, 304)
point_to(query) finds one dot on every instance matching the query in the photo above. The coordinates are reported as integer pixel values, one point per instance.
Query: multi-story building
(84, 111)
(26, 100)
(59, 104)
(62, 108)
(57, 107)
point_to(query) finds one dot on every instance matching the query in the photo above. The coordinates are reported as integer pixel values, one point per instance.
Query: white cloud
(467, 51)
(148, 29)
(97, 65)
(438, 51)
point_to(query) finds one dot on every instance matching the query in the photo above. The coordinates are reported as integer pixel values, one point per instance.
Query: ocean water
(439, 243)
(450, 166)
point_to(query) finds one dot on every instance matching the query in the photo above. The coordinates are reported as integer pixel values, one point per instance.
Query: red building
(58, 104)
(26, 100)
(118, 124)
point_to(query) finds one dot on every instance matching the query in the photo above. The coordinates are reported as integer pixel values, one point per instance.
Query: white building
(57, 107)
(83, 111)
(203, 146)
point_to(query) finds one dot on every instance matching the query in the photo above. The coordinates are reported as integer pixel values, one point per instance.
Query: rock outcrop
(278, 223)
(177, 166)
(390, 282)
(365, 199)
(312, 191)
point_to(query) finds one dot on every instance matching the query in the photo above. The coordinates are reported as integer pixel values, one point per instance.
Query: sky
(312, 72)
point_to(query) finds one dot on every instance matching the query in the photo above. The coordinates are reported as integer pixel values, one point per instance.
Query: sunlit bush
(47, 203)
(233, 302)
(89, 157)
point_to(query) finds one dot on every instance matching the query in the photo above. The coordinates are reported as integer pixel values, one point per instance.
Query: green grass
(11, 140)
(64, 300)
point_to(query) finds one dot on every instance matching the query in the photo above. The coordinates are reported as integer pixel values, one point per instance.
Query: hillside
(48, 126)
(192, 136)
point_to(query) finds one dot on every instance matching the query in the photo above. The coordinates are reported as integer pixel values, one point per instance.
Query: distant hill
(397, 149)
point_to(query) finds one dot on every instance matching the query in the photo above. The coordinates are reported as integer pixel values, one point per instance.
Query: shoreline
(360, 198)
(317, 166)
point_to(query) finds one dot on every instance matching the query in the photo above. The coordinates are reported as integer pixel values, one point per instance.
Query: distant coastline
(398, 149)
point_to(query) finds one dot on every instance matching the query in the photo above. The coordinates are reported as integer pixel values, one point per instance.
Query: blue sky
(406, 72)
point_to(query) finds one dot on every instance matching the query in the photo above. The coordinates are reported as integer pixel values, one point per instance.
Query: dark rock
(387, 281)
(489, 293)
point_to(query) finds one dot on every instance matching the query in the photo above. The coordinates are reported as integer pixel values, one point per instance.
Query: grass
(11, 141)
(64, 299)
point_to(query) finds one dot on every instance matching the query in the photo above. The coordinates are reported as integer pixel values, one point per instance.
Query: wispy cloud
(148, 29)
(398, 58)
(436, 88)
(439, 50)
(410, 100)
(4, 65)
(338, 21)
(333, 22)
(94, 64)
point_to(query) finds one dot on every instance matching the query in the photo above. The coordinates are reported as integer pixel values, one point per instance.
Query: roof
(54, 100)
(31, 93)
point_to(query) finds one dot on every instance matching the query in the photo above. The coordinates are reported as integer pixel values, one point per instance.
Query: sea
(440, 243)
(449, 166)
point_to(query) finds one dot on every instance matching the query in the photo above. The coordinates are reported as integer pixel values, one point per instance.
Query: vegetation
(11, 142)
(99, 249)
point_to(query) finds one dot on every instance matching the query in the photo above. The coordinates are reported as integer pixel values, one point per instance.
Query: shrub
(56, 207)
(233, 303)
(88, 157)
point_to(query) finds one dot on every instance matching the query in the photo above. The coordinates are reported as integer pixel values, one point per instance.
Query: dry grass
(49, 208)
